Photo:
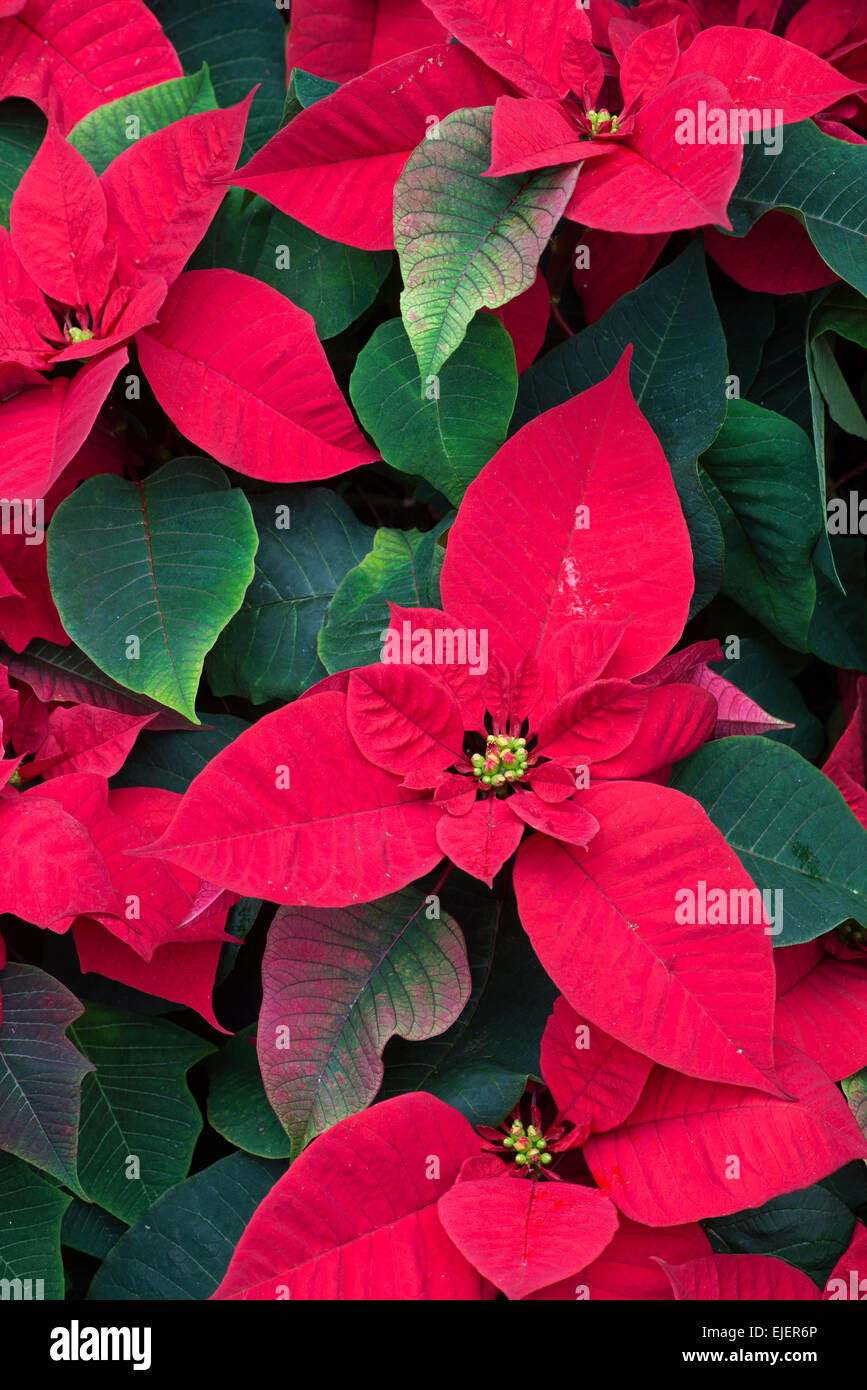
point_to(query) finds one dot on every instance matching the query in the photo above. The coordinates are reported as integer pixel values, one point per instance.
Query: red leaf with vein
(629, 1268)
(671, 1161)
(340, 39)
(594, 1079)
(85, 739)
(481, 841)
(523, 1235)
(775, 257)
(403, 720)
(653, 183)
(71, 56)
(241, 372)
(52, 869)
(822, 1006)
(164, 189)
(355, 1216)
(343, 831)
(42, 429)
(633, 560)
(58, 221)
(335, 165)
(739, 1278)
(677, 720)
(761, 71)
(520, 39)
(602, 922)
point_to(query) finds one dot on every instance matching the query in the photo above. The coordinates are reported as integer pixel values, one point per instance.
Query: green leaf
(766, 494)
(842, 312)
(758, 672)
(91, 1230)
(146, 574)
(181, 1247)
(480, 1065)
(789, 826)
(678, 377)
(101, 135)
(464, 241)
(40, 1073)
(855, 1091)
(308, 542)
(135, 1106)
(32, 1211)
(237, 1104)
(337, 984)
(809, 1229)
(781, 383)
(461, 421)
(819, 176)
(332, 282)
(172, 759)
(403, 568)
(22, 130)
(243, 43)
(304, 90)
(838, 631)
(748, 322)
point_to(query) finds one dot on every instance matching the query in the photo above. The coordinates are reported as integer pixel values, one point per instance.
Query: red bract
(567, 578)
(70, 56)
(527, 1236)
(756, 1277)
(340, 39)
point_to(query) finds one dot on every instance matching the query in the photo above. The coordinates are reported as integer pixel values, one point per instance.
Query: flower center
(528, 1146)
(504, 760)
(80, 335)
(599, 119)
(852, 933)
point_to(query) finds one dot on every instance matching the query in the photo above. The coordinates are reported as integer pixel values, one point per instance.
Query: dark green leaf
(809, 1229)
(22, 129)
(334, 283)
(237, 1105)
(181, 1247)
(86, 1227)
(139, 1122)
(172, 759)
(243, 43)
(790, 827)
(770, 510)
(308, 542)
(838, 631)
(31, 1211)
(449, 433)
(40, 1073)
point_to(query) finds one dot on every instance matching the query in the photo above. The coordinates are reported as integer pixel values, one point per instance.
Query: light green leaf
(102, 134)
(146, 574)
(466, 241)
(404, 568)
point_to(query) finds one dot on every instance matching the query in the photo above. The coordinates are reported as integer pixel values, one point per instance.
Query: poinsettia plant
(433, 645)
